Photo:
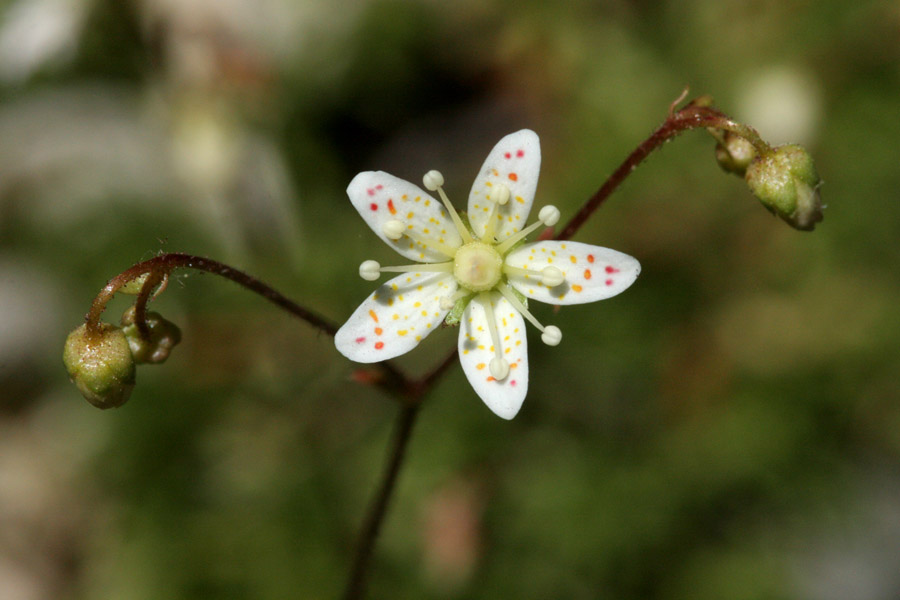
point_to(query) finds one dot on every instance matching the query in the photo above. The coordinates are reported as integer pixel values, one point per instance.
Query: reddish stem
(692, 116)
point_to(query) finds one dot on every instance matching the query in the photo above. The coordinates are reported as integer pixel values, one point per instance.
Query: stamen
(548, 217)
(499, 366)
(370, 270)
(550, 335)
(444, 267)
(549, 276)
(499, 196)
(434, 181)
(552, 277)
(393, 229)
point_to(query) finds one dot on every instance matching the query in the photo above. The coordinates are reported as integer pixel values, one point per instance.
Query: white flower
(482, 267)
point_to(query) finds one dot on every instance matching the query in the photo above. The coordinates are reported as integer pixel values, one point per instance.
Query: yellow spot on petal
(573, 259)
(520, 200)
(480, 366)
(576, 287)
(402, 332)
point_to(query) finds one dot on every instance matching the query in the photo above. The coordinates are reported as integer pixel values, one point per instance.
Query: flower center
(477, 266)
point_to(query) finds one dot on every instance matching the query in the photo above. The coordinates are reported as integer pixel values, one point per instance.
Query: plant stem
(692, 116)
(356, 583)
(163, 264)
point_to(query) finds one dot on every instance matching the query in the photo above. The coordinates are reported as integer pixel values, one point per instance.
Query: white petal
(516, 163)
(591, 272)
(380, 197)
(476, 351)
(395, 318)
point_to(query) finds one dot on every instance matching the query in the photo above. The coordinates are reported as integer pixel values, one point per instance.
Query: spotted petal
(591, 272)
(476, 351)
(380, 197)
(516, 163)
(395, 318)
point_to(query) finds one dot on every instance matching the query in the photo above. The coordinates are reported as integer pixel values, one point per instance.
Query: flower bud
(100, 365)
(734, 153)
(164, 335)
(786, 182)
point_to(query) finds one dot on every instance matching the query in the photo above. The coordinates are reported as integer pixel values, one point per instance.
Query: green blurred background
(727, 428)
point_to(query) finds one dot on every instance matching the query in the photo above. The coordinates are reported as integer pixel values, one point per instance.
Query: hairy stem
(696, 114)
(160, 267)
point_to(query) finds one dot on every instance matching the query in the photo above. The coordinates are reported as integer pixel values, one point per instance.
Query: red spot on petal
(490, 378)
(379, 345)
(391, 206)
(507, 155)
(587, 273)
(360, 340)
(513, 177)
(379, 187)
(513, 383)
(370, 191)
(590, 258)
(520, 153)
(611, 270)
(373, 206)
(609, 282)
(379, 331)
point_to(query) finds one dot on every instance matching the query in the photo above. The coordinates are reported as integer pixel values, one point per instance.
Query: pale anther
(549, 215)
(552, 335)
(500, 194)
(393, 229)
(370, 270)
(499, 368)
(552, 277)
(433, 180)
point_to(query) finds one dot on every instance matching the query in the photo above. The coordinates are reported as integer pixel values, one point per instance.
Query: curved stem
(696, 114)
(163, 264)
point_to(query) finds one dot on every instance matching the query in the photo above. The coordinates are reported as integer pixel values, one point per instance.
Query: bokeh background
(727, 428)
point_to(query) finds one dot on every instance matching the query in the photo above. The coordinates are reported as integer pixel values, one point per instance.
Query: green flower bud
(786, 182)
(100, 365)
(734, 153)
(164, 335)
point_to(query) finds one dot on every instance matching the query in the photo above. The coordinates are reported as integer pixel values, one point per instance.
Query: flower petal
(516, 163)
(395, 318)
(592, 273)
(380, 197)
(476, 351)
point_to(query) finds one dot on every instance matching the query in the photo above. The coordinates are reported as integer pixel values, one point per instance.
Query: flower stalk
(108, 381)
